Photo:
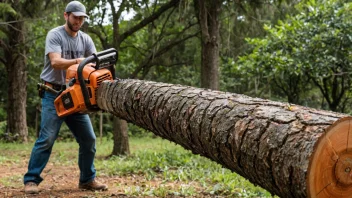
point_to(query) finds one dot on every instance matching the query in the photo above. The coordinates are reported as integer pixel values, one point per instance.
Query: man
(65, 45)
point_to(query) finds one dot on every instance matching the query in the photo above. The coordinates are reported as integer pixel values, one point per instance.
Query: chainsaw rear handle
(98, 58)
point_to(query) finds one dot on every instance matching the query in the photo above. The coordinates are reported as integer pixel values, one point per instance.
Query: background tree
(312, 46)
(16, 16)
(166, 38)
(211, 18)
(15, 63)
(208, 14)
(241, 20)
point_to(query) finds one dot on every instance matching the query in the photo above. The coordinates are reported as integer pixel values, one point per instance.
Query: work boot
(31, 188)
(93, 185)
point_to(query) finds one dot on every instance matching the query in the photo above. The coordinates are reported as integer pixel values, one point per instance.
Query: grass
(162, 167)
(155, 158)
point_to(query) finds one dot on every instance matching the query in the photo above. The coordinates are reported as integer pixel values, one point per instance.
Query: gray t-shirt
(59, 41)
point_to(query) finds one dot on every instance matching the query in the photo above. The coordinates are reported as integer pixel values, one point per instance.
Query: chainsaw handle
(106, 52)
(81, 81)
(100, 56)
(97, 58)
(106, 55)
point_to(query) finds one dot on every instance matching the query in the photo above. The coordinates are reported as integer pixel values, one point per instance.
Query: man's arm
(60, 63)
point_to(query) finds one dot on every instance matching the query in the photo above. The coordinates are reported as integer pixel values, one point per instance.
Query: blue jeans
(82, 129)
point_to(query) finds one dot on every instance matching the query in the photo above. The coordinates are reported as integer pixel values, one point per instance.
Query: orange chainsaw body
(71, 100)
(80, 95)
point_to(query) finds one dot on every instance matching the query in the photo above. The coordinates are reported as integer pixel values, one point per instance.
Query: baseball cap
(76, 8)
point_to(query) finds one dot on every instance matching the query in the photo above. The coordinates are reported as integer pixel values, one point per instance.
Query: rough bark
(16, 67)
(208, 18)
(291, 151)
(14, 48)
(121, 143)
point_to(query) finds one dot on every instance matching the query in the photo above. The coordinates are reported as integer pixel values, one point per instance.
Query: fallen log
(289, 150)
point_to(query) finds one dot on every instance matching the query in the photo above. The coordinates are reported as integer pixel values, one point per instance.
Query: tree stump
(289, 150)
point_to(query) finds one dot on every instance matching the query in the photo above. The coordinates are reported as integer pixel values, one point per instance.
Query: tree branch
(101, 37)
(147, 61)
(139, 49)
(149, 19)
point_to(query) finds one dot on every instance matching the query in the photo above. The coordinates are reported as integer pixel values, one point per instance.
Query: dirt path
(59, 181)
(62, 181)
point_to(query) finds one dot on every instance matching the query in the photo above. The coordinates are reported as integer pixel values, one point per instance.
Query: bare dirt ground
(58, 181)
(62, 181)
(61, 178)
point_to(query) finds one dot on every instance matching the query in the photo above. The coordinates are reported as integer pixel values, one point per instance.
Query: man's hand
(60, 63)
(79, 60)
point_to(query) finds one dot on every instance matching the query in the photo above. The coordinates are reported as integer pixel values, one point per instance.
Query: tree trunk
(101, 119)
(291, 151)
(208, 18)
(17, 83)
(118, 38)
(121, 143)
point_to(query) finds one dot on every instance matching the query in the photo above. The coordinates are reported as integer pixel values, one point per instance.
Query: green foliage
(246, 20)
(313, 46)
(151, 53)
(35, 44)
(2, 128)
(136, 131)
(6, 9)
(2, 113)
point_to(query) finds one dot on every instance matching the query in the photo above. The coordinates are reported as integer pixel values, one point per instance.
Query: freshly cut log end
(330, 170)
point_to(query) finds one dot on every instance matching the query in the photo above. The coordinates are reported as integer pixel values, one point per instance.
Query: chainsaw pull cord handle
(96, 57)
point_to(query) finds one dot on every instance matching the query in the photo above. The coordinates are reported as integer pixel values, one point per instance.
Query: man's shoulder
(57, 30)
(83, 34)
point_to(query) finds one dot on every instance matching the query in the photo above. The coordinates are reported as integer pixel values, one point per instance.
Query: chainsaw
(82, 83)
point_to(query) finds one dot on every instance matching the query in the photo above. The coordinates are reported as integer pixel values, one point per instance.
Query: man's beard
(71, 26)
